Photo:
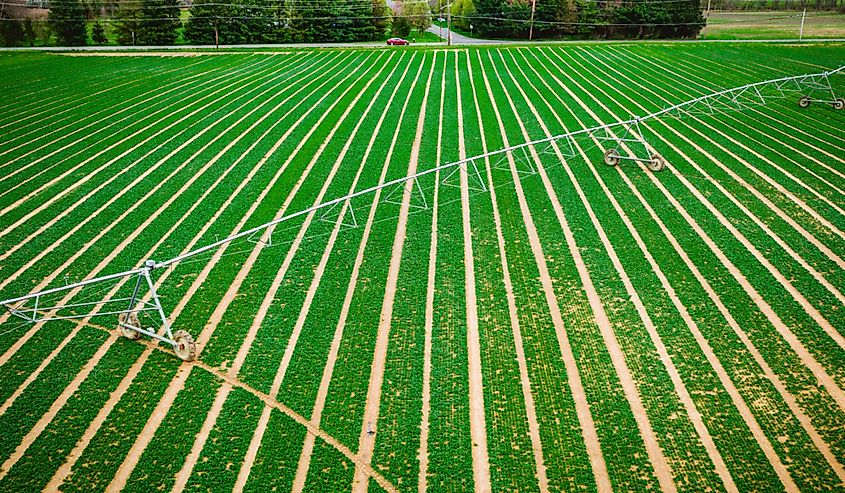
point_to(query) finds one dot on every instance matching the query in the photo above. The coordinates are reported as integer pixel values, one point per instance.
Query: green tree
(11, 29)
(381, 18)
(129, 26)
(158, 22)
(98, 34)
(487, 18)
(332, 20)
(401, 26)
(462, 10)
(418, 13)
(29, 32)
(67, 21)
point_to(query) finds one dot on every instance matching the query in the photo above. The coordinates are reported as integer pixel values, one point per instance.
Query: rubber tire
(611, 158)
(657, 163)
(804, 102)
(132, 320)
(185, 348)
(838, 103)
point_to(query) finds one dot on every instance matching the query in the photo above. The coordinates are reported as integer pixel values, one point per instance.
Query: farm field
(538, 323)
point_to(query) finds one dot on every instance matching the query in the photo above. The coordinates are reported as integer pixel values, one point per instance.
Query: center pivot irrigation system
(128, 301)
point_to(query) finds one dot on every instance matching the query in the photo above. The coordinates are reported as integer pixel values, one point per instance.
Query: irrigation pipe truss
(815, 88)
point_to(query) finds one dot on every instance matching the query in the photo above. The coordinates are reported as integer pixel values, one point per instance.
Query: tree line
(580, 18)
(161, 22)
(164, 22)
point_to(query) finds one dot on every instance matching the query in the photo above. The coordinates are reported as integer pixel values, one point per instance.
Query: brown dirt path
(478, 425)
(525, 382)
(267, 400)
(581, 405)
(663, 353)
(328, 370)
(366, 440)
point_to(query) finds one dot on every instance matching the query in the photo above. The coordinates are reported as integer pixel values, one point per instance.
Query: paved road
(460, 39)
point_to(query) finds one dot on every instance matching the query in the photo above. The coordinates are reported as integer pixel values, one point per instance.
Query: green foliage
(554, 18)
(413, 14)
(129, 26)
(238, 22)
(335, 20)
(158, 23)
(461, 10)
(11, 31)
(98, 34)
(401, 27)
(67, 21)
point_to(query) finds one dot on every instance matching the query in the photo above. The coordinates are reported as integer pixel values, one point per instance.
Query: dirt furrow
(81, 377)
(258, 436)
(15, 347)
(724, 378)
(57, 405)
(43, 163)
(145, 99)
(75, 101)
(68, 209)
(774, 271)
(661, 467)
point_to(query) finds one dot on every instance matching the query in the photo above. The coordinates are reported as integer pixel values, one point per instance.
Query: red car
(398, 42)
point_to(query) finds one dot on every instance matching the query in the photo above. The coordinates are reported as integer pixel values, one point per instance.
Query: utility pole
(801, 33)
(531, 28)
(449, 24)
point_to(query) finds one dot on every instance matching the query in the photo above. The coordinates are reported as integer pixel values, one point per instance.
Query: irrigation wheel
(657, 163)
(804, 102)
(838, 103)
(185, 348)
(129, 319)
(611, 158)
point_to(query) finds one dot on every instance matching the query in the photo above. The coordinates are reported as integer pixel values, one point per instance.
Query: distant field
(773, 25)
(575, 327)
